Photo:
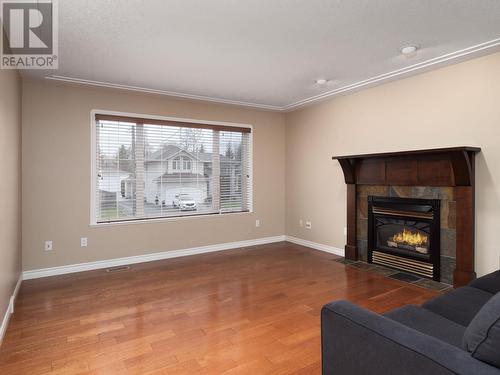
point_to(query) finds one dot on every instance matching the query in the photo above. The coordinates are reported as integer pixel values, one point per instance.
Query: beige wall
(10, 186)
(456, 105)
(56, 177)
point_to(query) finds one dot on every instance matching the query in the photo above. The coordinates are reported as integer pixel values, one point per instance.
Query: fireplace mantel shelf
(452, 166)
(440, 167)
(410, 153)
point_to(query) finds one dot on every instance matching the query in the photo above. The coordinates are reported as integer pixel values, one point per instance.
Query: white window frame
(93, 168)
(176, 163)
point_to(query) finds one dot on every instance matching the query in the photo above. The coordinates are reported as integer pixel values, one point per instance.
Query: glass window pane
(151, 171)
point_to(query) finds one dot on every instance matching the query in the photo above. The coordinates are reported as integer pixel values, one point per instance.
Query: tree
(125, 159)
(123, 153)
(190, 139)
(229, 151)
(239, 151)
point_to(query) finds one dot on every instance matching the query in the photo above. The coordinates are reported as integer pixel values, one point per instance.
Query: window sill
(166, 219)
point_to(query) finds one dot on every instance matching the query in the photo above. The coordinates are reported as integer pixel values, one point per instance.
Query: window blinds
(148, 169)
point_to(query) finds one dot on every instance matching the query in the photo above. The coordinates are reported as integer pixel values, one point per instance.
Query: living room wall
(452, 106)
(455, 105)
(10, 187)
(56, 177)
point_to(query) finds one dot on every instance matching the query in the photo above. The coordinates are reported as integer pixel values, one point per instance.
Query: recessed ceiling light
(322, 81)
(409, 51)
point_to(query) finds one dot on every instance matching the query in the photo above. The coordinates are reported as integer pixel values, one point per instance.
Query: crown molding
(175, 94)
(448, 59)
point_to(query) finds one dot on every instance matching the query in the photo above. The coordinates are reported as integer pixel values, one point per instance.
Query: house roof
(164, 153)
(207, 156)
(169, 151)
(174, 177)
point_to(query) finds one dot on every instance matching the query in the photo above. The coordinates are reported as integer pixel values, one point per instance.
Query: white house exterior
(171, 171)
(168, 172)
(111, 183)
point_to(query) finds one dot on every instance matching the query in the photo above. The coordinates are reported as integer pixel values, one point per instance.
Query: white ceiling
(264, 52)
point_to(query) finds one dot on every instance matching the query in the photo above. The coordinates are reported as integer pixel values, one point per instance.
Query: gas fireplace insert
(404, 233)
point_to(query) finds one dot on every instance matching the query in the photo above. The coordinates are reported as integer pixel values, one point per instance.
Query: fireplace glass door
(403, 237)
(404, 233)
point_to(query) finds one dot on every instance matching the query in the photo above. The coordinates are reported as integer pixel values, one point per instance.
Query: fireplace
(451, 168)
(404, 233)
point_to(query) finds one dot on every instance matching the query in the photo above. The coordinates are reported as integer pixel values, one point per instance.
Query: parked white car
(184, 202)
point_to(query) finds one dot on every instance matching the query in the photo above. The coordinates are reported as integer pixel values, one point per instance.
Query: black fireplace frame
(404, 207)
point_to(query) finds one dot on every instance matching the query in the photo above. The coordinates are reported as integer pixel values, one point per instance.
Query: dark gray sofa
(421, 340)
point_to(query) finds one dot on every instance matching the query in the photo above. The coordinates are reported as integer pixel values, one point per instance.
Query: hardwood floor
(246, 311)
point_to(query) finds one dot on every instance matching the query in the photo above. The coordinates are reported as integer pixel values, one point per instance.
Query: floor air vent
(118, 269)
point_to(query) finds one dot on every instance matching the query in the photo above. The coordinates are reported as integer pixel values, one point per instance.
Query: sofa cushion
(489, 283)
(459, 305)
(427, 322)
(482, 336)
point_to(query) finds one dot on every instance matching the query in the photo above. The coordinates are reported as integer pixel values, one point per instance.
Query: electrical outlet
(48, 246)
(308, 225)
(301, 223)
(83, 242)
(257, 223)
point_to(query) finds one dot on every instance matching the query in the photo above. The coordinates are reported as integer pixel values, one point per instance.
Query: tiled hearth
(448, 219)
(397, 275)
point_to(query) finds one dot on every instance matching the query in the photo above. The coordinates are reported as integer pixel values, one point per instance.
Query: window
(149, 168)
(176, 163)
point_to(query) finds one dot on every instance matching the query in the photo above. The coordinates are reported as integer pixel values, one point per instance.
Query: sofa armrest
(357, 341)
(489, 283)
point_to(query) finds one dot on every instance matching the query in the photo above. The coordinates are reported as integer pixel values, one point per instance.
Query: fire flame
(407, 237)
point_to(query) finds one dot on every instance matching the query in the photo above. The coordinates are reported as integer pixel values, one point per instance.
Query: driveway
(126, 207)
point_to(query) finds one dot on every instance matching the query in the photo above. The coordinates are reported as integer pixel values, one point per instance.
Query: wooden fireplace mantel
(452, 166)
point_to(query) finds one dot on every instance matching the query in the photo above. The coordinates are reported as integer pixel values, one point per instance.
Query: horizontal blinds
(149, 170)
(185, 124)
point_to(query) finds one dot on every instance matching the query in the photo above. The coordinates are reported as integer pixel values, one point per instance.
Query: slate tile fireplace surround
(438, 242)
